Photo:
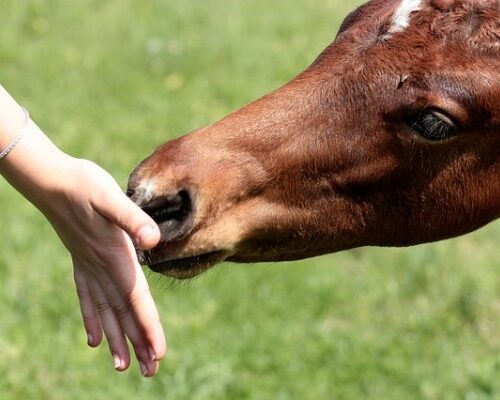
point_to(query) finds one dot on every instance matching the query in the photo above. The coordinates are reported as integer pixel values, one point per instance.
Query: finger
(122, 309)
(128, 278)
(119, 209)
(147, 322)
(111, 326)
(145, 313)
(89, 312)
(134, 289)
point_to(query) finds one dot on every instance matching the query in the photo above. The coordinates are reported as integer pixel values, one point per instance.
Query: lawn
(110, 80)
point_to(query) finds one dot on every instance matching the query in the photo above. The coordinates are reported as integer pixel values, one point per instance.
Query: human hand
(92, 217)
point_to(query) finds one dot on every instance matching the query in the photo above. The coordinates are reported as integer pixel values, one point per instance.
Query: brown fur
(326, 162)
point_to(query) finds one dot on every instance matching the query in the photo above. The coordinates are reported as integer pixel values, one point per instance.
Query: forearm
(11, 118)
(33, 165)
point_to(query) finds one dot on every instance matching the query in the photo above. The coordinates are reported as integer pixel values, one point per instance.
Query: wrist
(35, 167)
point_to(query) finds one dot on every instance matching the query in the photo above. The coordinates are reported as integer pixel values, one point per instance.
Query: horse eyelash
(430, 126)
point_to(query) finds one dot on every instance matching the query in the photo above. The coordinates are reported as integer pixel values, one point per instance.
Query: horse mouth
(189, 267)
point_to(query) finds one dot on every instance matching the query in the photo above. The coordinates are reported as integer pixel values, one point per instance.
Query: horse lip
(187, 267)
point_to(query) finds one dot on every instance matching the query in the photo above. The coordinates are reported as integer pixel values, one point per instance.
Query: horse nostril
(174, 214)
(175, 207)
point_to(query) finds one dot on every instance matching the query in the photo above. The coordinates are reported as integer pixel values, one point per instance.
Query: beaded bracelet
(19, 136)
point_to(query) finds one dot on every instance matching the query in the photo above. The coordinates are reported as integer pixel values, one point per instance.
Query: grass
(109, 81)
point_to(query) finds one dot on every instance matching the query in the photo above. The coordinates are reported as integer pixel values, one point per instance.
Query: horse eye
(432, 124)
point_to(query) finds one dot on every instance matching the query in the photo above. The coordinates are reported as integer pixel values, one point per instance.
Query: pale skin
(99, 225)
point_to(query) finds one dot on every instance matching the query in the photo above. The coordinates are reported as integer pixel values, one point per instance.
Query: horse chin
(188, 267)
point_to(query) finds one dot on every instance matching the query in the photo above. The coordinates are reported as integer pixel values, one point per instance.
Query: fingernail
(152, 354)
(117, 361)
(144, 232)
(144, 368)
(90, 339)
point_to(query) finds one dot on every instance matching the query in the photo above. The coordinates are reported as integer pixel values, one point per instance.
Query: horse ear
(353, 17)
(359, 13)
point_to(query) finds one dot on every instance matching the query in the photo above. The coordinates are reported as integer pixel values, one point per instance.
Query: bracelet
(19, 136)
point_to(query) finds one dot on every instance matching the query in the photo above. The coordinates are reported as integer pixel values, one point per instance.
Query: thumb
(119, 209)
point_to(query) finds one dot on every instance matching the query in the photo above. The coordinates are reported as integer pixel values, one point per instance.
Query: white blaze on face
(402, 15)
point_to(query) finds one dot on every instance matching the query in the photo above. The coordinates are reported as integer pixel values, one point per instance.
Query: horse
(390, 138)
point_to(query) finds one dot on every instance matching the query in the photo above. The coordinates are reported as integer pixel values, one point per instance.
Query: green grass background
(110, 80)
